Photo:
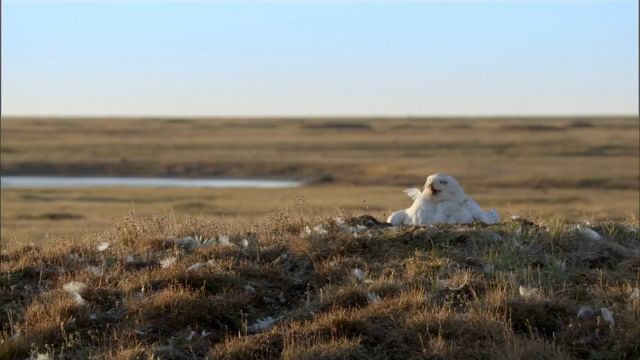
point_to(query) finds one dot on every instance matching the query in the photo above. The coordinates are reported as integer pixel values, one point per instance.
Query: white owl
(442, 201)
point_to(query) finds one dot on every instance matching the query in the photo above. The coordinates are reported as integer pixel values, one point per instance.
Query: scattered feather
(207, 242)
(132, 262)
(95, 270)
(319, 229)
(588, 232)
(586, 313)
(75, 288)
(224, 240)
(339, 220)
(262, 325)
(374, 298)
(73, 257)
(43, 357)
(607, 316)
(103, 246)
(246, 247)
(529, 292)
(168, 262)
(184, 241)
(194, 242)
(358, 274)
(196, 266)
(250, 289)
(635, 294)
(353, 229)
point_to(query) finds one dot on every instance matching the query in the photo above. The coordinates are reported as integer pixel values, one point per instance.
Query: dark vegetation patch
(51, 216)
(620, 183)
(336, 125)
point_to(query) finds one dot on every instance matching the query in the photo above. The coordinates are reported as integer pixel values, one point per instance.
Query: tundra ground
(302, 286)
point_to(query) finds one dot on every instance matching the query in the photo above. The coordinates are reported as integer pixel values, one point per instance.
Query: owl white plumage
(442, 201)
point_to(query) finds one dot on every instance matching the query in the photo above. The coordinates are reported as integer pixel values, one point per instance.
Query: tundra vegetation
(572, 168)
(310, 272)
(299, 285)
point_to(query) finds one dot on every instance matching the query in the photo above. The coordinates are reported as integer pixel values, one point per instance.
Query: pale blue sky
(174, 58)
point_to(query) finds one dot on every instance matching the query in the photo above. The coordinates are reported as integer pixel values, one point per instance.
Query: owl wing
(487, 217)
(413, 193)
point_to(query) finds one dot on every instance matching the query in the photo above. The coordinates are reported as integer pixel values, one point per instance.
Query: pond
(27, 182)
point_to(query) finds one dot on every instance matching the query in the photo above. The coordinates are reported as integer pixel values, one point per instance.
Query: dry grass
(569, 168)
(444, 292)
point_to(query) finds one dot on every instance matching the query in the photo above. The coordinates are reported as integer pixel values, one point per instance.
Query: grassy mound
(308, 288)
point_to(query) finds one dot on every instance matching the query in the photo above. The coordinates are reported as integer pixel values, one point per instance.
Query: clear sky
(176, 58)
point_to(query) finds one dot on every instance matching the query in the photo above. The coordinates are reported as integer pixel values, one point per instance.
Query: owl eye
(443, 182)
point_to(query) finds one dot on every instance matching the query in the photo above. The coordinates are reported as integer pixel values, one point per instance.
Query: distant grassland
(554, 167)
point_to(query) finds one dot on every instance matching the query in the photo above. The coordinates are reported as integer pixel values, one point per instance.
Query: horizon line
(332, 116)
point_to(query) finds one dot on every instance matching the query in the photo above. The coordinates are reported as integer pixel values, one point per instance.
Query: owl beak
(433, 190)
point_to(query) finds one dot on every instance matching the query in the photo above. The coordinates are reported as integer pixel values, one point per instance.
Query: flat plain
(566, 168)
(308, 273)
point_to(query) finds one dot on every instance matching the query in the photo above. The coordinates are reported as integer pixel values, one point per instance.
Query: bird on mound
(442, 201)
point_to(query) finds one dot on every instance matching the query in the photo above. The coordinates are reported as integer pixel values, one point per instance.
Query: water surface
(27, 182)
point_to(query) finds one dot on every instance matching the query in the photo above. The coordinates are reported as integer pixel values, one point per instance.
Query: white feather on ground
(168, 262)
(95, 270)
(224, 240)
(196, 266)
(529, 292)
(75, 289)
(586, 313)
(187, 242)
(262, 324)
(319, 229)
(607, 316)
(103, 246)
(358, 274)
(194, 242)
(588, 232)
(374, 298)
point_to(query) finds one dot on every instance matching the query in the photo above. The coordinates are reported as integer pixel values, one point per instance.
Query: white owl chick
(452, 205)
